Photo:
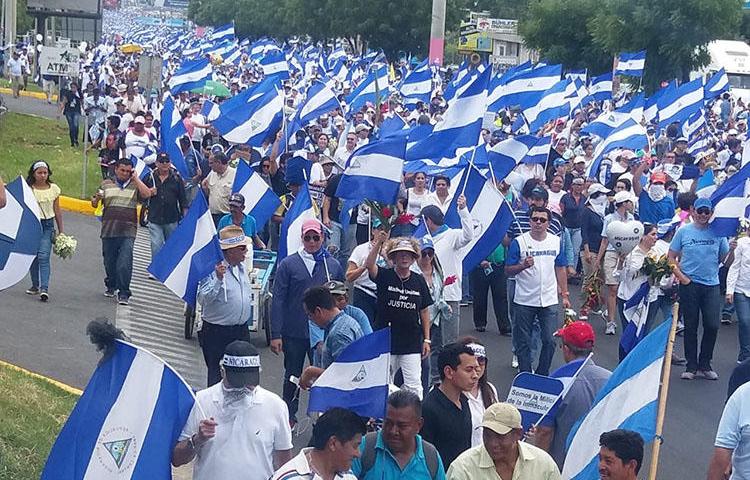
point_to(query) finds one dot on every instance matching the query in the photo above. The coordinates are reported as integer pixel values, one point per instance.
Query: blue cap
(426, 242)
(560, 161)
(703, 202)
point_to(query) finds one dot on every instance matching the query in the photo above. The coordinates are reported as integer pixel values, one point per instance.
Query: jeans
(295, 351)
(450, 324)
(432, 374)
(535, 335)
(465, 287)
(367, 303)
(40, 267)
(698, 301)
(573, 241)
(337, 243)
(522, 334)
(663, 305)
(118, 263)
(213, 340)
(481, 283)
(742, 308)
(411, 369)
(159, 234)
(73, 119)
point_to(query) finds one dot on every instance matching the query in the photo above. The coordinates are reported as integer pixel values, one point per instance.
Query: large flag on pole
(20, 232)
(374, 171)
(126, 423)
(731, 201)
(629, 400)
(358, 379)
(631, 63)
(291, 228)
(260, 199)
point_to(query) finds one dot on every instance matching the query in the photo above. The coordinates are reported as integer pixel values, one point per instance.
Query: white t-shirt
(433, 199)
(554, 201)
(536, 286)
(245, 439)
(476, 405)
(416, 202)
(299, 468)
(358, 257)
(136, 144)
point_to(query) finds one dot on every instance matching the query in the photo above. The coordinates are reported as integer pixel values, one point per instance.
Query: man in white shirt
(236, 429)
(15, 70)
(345, 151)
(218, 185)
(538, 262)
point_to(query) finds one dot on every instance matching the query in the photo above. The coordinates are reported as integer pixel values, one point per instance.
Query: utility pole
(437, 32)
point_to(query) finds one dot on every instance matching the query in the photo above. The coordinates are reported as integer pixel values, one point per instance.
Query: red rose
(450, 280)
(404, 218)
(386, 212)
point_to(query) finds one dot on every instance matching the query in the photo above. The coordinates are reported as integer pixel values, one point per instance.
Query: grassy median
(34, 411)
(25, 139)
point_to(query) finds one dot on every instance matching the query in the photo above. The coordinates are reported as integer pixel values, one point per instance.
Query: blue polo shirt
(700, 251)
(248, 224)
(385, 466)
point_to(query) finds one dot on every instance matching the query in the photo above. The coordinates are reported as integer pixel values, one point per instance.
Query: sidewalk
(30, 103)
(24, 93)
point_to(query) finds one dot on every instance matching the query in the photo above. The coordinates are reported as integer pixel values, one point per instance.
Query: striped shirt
(120, 217)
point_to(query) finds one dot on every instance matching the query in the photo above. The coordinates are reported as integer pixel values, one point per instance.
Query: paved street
(49, 339)
(31, 106)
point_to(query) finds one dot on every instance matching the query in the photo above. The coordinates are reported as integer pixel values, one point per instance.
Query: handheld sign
(534, 396)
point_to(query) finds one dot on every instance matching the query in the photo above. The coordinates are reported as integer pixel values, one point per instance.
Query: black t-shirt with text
(399, 304)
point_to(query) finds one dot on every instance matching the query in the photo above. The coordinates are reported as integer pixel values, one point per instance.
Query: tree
(557, 30)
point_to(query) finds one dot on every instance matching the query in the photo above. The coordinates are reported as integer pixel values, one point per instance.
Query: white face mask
(657, 192)
(599, 204)
(236, 398)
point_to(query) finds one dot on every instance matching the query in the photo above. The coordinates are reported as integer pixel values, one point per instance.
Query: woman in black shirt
(403, 300)
(70, 106)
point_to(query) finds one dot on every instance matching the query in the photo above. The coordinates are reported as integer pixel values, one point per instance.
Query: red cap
(578, 334)
(311, 225)
(659, 177)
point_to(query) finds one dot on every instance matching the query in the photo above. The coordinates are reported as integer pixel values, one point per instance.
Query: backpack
(368, 455)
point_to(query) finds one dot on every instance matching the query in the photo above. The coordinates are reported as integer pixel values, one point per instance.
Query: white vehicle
(734, 57)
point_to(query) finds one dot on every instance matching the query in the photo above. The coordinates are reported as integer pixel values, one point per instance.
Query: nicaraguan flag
(525, 88)
(222, 33)
(460, 125)
(393, 126)
(507, 154)
(190, 253)
(275, 65)
(489, 211)
(210, 110)
(716, 85)
(606, 123)
(700, 143)
(253, 122)
(730, 203)
(651, 107)
(320, 99)
(600, 88)
(126, 423)
(693, 125)
(291, 228)
(233, 56)
(374, 171)
(634, 107)
(20, 232)
(260, 200)
(192, 74)
(630, 134)
(552, 104)
(678, 104)
(495, 88)
(631, 64)
(635, 312)
(172, 129)
(581, 75)
(140, 167)
(375, 85)
(628, 400)
(358, 379)
(417, 85)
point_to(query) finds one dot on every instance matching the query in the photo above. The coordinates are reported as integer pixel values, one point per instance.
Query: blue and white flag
(274, 64)
(716, 85)
(600, 88)
(635, 312)
(634, 107)
(191, 75)
(730, 203)
(581, 75)
(651, 107)
(552, 105)
(628, 400)
(676, 105)
(417, 85)
(372, 87)
(190, 254)
(127, 421)
(631, 64)
(490, 213)
(507, 154)
(172, 129)
(291, 228)
(20, 232)
(260, 200)
(393, 126)
(525, 88)
(210, 110)
(374, 171)
(460, 125)
(706, 185)
(606, 123)
(222, 33)
(320, 99)
(630, 135)
(253, 122)
(693, 125)
(358, 379)
(140, 167)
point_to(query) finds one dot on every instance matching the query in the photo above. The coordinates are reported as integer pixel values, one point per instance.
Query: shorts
(609, 267)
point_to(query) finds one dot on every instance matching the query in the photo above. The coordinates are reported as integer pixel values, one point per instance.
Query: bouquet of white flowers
(65, 246)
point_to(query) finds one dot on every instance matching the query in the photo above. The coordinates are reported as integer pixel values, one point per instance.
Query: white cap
(623, 196)
(598, 188)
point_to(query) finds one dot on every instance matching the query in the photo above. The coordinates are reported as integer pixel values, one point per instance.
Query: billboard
(88, 7)
(61, 61)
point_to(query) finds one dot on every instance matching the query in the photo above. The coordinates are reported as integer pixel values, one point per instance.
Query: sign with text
(59, 61)
(534, 395)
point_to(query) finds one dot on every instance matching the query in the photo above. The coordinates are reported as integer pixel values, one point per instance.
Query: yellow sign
(475, 42)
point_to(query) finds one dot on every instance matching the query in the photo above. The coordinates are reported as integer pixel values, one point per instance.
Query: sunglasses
(539, 219)
(312, 238)
(704, 211)
(427, 253)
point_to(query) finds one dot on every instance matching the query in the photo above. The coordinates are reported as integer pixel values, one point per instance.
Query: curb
(76, 205)
(52, 381)
(24, 93)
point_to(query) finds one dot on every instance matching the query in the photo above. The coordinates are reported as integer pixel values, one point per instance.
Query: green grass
(34, 411)
(25, 139)
(30, 87)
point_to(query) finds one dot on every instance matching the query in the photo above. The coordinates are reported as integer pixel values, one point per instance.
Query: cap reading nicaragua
(241, 364)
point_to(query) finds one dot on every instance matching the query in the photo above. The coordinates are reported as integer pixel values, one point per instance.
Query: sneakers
(678, 360)
(123, 300)
(109, 293)
(707, 374)
(32, 291)
(726, 319)
(514, 362)
(43, 296)
(611, 328)
(686, 375)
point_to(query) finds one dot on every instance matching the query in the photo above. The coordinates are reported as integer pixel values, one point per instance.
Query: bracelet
(191, 442)
(427, 341)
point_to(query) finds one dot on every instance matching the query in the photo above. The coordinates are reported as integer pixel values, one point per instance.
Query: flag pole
(662, 408)
(468, 170)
